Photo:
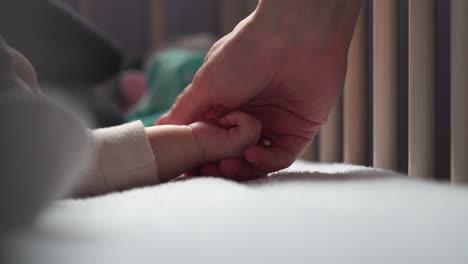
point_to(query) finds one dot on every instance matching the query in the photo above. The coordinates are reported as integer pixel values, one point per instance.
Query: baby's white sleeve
(124, 159)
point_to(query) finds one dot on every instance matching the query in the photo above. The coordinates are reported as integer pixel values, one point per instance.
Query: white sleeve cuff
(125, 158)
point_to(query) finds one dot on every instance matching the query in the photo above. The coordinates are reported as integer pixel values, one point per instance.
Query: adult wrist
(326, 25)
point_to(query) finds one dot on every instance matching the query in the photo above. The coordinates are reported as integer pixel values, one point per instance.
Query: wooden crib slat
(85, 9)
(422, 78)
(355, 96)
(385, 80)
(157, 22)
(231, 13)
(459, 120)
(251, 5)
(312, 152)
(330, 139)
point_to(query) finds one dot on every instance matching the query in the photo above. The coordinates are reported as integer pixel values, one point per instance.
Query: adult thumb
(190, 106)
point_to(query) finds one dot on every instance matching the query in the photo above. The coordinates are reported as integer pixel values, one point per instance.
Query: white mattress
(309, 213)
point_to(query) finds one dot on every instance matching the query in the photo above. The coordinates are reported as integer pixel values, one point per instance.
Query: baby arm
(178, 149)
(125, 154)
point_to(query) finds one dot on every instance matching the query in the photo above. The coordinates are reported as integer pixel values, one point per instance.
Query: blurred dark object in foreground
(65, 50)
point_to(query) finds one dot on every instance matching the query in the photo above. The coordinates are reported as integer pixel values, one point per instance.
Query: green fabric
(168, 75)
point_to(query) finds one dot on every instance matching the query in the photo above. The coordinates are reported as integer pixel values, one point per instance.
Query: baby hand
(236, 132)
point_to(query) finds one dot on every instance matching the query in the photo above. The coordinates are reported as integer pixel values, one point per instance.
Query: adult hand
(285, 65)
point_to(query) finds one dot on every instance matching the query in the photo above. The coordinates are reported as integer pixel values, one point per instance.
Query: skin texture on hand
(178, 149)
(285, 65)
(236, 132)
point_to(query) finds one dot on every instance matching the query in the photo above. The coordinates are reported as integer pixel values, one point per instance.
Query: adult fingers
(193, 172)
(190, 106)
(282, 152)
(210, 169)
(239, 170)
(269, 160)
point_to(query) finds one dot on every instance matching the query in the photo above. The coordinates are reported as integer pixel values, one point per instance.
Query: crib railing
(459, 91)
(404, 105)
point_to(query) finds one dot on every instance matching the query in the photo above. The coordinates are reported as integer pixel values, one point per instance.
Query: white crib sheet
(310, 213)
